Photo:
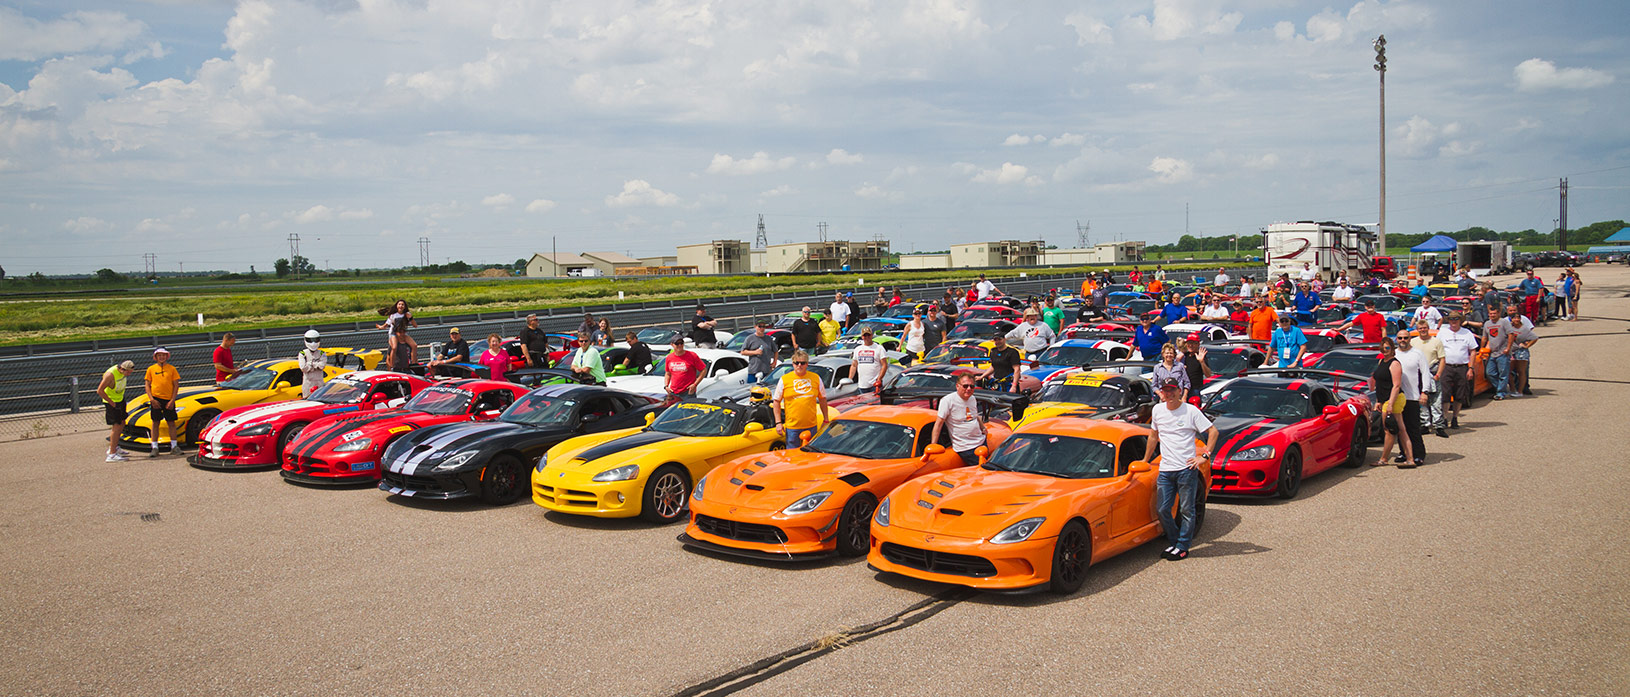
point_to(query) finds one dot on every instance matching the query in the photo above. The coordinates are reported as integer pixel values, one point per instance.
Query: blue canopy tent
(1438, 243)
(1622, 236)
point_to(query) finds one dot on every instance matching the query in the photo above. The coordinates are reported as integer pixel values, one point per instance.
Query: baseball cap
(762, 323)
(127, 365)
(160, 350)
(679, 340)
(1164, 383)
(1193, 336)
(454, 330)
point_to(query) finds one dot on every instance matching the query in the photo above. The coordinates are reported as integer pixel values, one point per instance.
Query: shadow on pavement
(467, 505)
(1310, 487)
(584, 522)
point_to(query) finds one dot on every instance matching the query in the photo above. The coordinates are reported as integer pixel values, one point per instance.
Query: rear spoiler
(1332, 376)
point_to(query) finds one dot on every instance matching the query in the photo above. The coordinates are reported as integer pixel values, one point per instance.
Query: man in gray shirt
(1506, 339)
(1034, 336)
(760, 351)
(933, 328)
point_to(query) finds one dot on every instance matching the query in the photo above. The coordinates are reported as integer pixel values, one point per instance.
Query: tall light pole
(1381, 68)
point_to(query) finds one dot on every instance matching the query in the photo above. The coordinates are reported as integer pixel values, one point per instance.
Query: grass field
(248, 305)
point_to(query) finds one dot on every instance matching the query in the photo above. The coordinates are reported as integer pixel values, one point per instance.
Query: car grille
(566, 497)
(737, 530)
(1221, 478)
(134, 432)
(306, 465)
(938, 562)
(410, 483)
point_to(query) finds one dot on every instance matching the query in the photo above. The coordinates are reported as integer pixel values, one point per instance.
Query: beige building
(934, 260)
(716, 257)
(832, 255)
(609, 262)
(1108, 253)
(979, 255)
(557, 265)
(669, 260)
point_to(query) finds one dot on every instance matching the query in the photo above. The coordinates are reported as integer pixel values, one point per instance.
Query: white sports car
(723, 368)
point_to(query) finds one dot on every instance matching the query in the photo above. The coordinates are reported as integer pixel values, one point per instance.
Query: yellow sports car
(973, 353)
(648, 472)
(1114, 396)
(273, 380)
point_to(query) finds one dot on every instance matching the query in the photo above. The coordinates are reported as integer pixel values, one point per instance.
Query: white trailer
(1327, 247)
(1485, 257)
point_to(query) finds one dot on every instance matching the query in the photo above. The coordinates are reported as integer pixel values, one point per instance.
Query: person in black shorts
(1004, 365)
(112, 392)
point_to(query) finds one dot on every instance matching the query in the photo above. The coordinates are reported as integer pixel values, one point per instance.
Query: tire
(288, 436)
(1359, 447)
(666, 492)
(195, 426)
(855, 525)
(778, 444)
(1290, 475)
(1200, 513)
(504, 481)
(1072, 555)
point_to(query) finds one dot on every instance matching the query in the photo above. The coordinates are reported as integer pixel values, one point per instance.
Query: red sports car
(345, 448)
(988, 312)
(256, 435)
(1319, 342)
(1277, 431)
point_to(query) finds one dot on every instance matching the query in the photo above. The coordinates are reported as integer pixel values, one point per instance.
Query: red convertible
(1277, 431)
(256, 435)
(345, 448)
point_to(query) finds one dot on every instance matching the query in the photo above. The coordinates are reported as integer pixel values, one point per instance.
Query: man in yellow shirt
(163, 382)
(799, 402)
(829, 332)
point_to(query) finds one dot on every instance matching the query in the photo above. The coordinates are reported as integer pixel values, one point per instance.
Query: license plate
(362, 467)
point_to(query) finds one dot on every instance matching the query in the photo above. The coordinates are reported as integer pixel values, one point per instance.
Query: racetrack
(1497, 569)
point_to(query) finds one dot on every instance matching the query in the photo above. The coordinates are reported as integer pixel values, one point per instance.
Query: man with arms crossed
(1177, 424)
(799, 402)
(960, 413)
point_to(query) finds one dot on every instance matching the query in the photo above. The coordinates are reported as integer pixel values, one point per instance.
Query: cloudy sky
(207, 132)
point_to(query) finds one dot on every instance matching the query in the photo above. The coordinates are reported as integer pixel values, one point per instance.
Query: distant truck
(1329, 248)
(1484, 258)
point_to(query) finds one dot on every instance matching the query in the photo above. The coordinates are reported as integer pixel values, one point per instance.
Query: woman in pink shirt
(495, 358)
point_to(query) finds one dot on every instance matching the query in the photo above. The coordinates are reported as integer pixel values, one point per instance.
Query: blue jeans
(1181, 487)
(1498, 368)
(794, 439)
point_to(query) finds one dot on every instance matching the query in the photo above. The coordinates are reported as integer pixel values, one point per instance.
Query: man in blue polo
(1149, 338)
(1174, 311)
(1306, 299)
(1288, 344)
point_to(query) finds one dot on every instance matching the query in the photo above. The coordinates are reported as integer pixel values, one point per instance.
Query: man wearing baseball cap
(163, 381)
(1177, 424)
(112, 392)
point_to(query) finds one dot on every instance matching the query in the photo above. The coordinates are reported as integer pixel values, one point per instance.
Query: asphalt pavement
(1494, 570)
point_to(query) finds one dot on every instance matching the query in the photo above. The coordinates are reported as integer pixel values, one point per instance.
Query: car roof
(714, 354)
(1302, 385)
(905, 416)
(372, 374)
(1074, 425)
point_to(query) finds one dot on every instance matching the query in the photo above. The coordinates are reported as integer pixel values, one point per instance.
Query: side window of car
(1119, 354)
(291, 376)
(493, 400)
(730, 365)
(1131, 451)
(1322, 399)
(601, 406)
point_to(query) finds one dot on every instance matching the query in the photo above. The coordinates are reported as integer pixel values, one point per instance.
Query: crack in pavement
(769, 667)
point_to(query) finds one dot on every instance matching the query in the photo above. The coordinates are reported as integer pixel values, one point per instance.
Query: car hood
(774, 480)
(613, 449)
(1042, 410)
(325, 434)
(1237, 433)
(976, 503)
(643, 384)
(428, 446)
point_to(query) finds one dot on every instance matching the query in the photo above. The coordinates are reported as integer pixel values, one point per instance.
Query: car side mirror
(983, 453)
(1146, 399)
(1330, 411)
(489, 414)
(1140, 466)
(720, 373)
(753, 427)
(933, 450)
(846, 381)
(590, 418)
(805, 437)
(282, 385)
(650, 417)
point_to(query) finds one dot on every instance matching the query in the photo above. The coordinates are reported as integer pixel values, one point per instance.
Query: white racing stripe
(411, 464)
(230, 424)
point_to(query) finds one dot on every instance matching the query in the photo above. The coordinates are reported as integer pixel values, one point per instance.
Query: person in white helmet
(313, 363)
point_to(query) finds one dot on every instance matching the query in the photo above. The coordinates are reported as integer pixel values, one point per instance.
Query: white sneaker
(116, 457)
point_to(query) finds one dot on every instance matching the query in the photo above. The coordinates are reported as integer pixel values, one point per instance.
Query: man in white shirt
(1034, 336)
(866, 365)
(960, 413)
(1432, 315)
(1245, 287)
(1221, 279)
(1415, 373)
(1214, 311)
(839, 311)
(1342, 292)
(1308, 273)
(1177, 424)
(1454, 374)
(984, 287)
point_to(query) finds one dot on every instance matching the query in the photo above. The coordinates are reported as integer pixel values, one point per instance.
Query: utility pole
(1562, 219)
(424, 251)
(1381, 68)
(763, 239)
(149, 264)
(1083, 238)
(294, 254)
(1185, 218)
(822, 227)
(181, 266)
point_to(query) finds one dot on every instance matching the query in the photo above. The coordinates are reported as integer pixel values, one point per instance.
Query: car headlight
(697, 494)
(1018, 532)
(454, 461)
(882, 516)
(260, 430)
(807, 503)
(1260, 452)
(353, 446)
(618, 474)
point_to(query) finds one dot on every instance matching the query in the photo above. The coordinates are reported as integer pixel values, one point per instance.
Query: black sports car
(493, 459)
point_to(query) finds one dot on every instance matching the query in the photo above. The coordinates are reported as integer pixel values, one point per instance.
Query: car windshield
(440, 400)
(824, 372)
(1228, 363)
(982, 313)
(656, 336)
(1255, 400)
(945, 353)
(902, 311)
(340, 392)
(1072, 355)
(785, 322)
(1335, 313)
(737, 342)
(696, 419)
(1083, 389)
(876, 327)
(537, 410)
(1139, 306)
(1351, 363)
(251, 379)
(1386, 303)
(1318, 343)
(925, 381)
(1067, 457)
(976, 330)
(867, 440)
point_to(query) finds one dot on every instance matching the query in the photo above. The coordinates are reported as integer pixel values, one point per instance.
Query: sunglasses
(800, 362)
(961, 385)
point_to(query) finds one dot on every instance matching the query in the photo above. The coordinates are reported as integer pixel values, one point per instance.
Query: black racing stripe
(628, 442)
(311, 443)
(1245, 435)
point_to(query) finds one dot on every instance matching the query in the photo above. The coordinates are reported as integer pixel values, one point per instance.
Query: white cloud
(322, 214)
(1074, 139)
(1008, 173)
(150, 226)
(1534, 75)
(541, 205)
(638, 192)
(498, 200)
(314, 214)
(782, 190)
(899, 173)
(84, 224)
(877, 193)
(1089, 30)
(839, 156)
(27, 39)
(1419, 137)
(759, 163)
(356, 214)
(1170, 170)
(1525, 124)
(1016, 139)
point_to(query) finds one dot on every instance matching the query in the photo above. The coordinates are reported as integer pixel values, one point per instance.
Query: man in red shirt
(1372, 323)
(684, 371)
(224, 367)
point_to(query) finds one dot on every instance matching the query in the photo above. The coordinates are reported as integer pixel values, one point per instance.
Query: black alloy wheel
(1290, 475)
(1072, 554)
(195, 428)
(1359, 446)
(502, 482)
(855, 525)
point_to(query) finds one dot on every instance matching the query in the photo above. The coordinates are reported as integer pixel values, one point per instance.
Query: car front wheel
(664, 499)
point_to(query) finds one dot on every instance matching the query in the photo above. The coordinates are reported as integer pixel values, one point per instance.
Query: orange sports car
(1055, 497)
(818, 500)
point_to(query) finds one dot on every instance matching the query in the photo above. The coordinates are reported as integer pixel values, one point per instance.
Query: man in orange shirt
(1262, 320)
(163, 381)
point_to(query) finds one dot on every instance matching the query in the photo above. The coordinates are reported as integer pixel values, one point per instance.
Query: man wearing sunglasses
(960, 413)
(798, 402)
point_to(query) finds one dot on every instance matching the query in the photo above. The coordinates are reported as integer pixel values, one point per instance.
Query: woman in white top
(914, 336)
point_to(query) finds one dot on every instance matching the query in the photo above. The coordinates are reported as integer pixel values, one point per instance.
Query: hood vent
(754, 487)
(950, 511)
(854, 479)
